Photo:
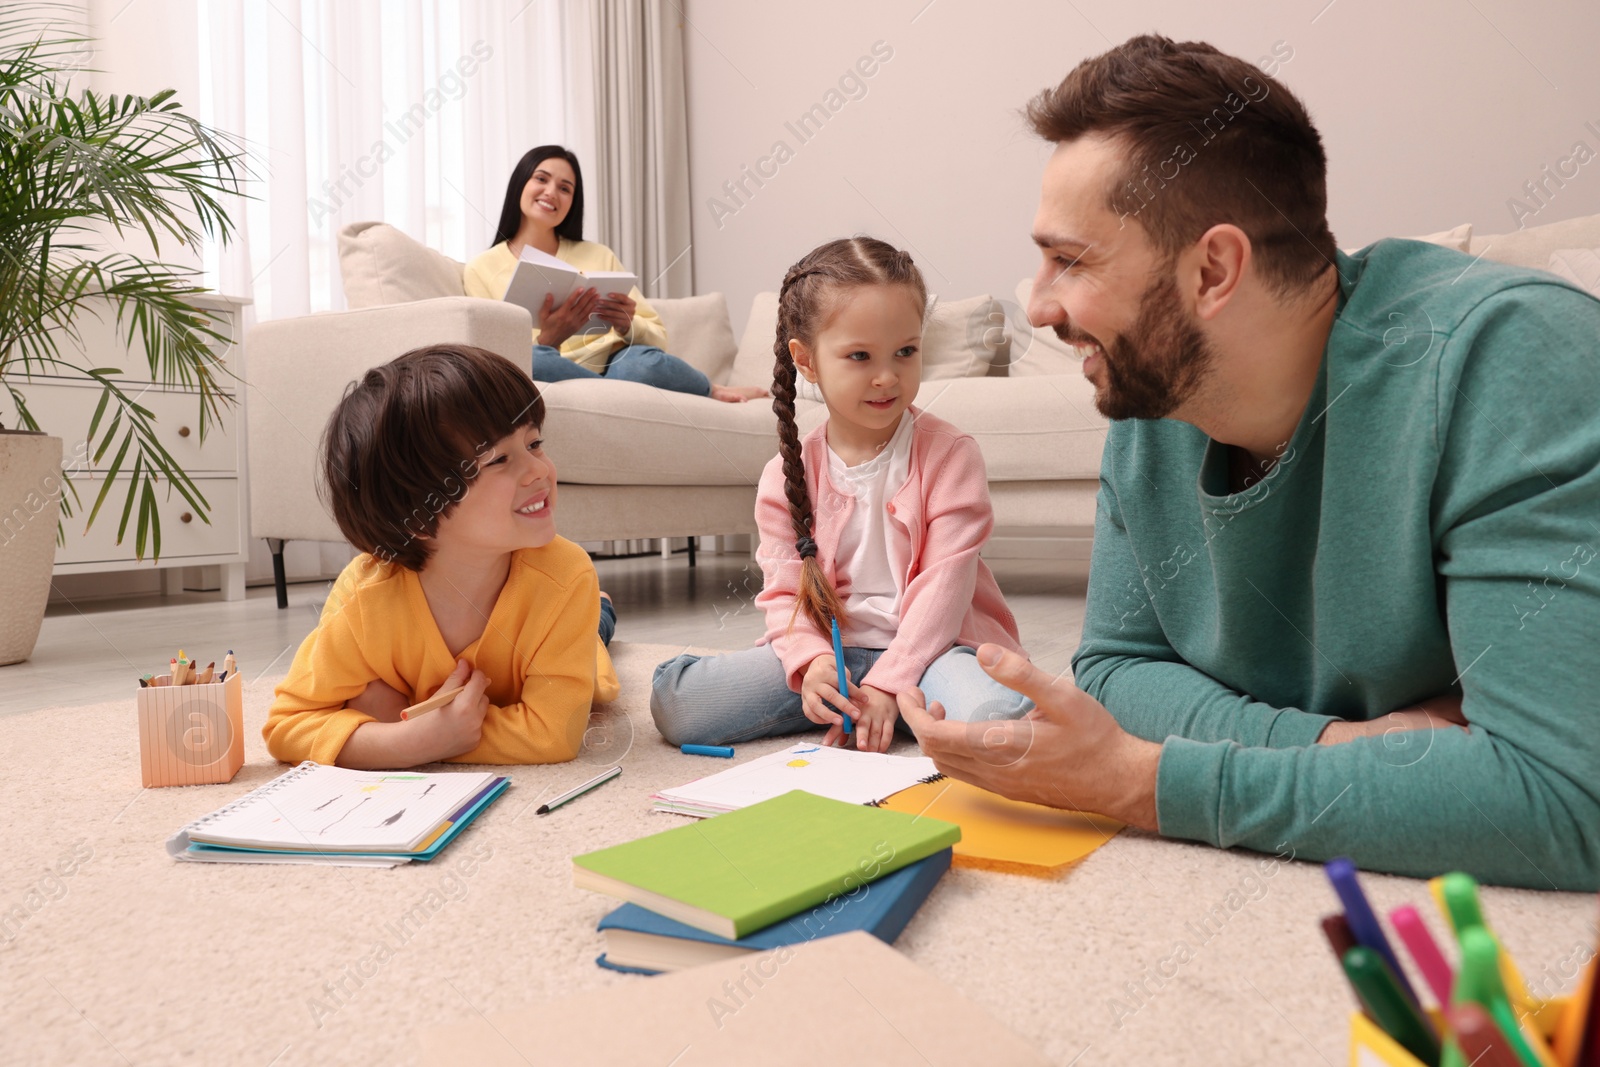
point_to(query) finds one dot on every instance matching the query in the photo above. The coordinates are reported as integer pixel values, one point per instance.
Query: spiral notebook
(845, 774)
(320, 814)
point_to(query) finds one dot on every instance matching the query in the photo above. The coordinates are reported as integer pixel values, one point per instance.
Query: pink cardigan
(950, 596)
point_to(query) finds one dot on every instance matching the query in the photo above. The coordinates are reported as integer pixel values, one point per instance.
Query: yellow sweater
(488, 275)
(540, 649)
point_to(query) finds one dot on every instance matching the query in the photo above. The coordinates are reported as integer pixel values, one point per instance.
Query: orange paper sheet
(997, 831)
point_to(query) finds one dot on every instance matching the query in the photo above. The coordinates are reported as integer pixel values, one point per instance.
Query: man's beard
(1157, 364)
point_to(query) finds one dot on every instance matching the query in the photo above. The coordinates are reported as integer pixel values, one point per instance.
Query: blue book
(638, 941)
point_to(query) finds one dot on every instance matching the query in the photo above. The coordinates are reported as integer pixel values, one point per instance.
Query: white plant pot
(30, 498)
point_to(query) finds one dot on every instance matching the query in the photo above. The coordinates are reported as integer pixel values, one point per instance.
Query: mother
(544, 210)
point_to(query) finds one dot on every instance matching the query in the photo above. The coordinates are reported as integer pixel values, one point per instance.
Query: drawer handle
(186, 517)
(183, 431)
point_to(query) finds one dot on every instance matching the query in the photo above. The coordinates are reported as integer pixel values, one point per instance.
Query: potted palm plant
(76, 165)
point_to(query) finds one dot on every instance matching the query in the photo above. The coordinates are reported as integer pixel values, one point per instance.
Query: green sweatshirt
(1432, 526)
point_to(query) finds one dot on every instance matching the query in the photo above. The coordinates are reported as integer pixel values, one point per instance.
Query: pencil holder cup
(191, 734)
(1371, 1047)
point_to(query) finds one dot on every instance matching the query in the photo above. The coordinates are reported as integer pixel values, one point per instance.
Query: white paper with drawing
(320, 807)
(845, 774)
(539, 273)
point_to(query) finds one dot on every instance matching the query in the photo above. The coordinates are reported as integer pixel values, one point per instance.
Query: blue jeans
(645, 364)
(740, 696)
(608, 621)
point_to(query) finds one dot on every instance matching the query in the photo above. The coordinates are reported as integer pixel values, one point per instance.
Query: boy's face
(512, 502)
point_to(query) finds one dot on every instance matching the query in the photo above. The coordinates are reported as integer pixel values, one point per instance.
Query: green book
(738, 873)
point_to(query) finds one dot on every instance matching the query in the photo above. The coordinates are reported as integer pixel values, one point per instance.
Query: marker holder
(1371, 1047)
(191, 734)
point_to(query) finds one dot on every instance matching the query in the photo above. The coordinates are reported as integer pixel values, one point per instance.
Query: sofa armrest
(299, 369)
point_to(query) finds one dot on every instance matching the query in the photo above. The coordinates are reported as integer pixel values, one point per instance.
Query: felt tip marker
(844, 679)
(725, 751)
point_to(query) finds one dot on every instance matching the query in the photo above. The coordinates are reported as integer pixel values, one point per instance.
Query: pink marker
(1408, 924)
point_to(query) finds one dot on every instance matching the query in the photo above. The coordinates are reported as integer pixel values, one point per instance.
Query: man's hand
(1435, 713)
(1068, 752)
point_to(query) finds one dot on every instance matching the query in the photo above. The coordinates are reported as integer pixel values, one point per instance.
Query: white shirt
(874, 550)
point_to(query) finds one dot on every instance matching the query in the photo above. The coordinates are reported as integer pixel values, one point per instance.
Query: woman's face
(547, 197)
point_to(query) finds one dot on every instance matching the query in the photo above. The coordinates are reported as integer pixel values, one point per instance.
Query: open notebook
(320, 814)
(837, 773)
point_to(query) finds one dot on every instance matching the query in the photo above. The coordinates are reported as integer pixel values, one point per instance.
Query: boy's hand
(380, 700)
(821, 683)
(875, 724)
(458, 726)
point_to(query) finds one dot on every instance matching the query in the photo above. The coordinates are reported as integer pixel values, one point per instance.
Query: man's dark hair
(1210, 140)
(511, 211)
(404, 444)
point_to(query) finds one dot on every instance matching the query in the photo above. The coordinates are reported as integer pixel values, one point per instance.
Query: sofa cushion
(753, 364)
(600, 432)
(963, 338)
(1030, 429)
(958, 341)
(1580, 266)
(380, 265)
(698, 332)
(1533, 246)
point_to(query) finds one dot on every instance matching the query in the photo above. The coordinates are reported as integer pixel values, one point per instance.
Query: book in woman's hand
(539, 274)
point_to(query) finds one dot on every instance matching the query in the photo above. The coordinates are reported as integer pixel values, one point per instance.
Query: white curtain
(638, 182)
(410, 112)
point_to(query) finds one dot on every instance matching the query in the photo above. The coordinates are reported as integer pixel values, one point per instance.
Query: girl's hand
(556, 324)
(875, 725)
(458, 726)
(616, 311)
(380, 700)
(821, 683)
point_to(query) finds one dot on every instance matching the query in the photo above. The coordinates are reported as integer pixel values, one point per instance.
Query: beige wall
(1432, 113)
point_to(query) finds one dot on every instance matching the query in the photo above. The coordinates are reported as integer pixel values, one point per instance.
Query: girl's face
(510, 504)
(867, 361)
(547, 197)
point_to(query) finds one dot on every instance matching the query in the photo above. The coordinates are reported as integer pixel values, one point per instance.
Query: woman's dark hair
(404, 444)
(1209, 139)
(511, 214)
(811, 293)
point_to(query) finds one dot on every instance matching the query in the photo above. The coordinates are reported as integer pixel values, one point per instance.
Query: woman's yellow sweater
(540, 649)
(488, 275)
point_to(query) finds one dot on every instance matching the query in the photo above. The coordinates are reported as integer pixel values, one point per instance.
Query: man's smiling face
(1104, 286)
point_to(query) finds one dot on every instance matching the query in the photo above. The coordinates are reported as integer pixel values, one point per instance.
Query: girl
(892, 551)
(544, 210)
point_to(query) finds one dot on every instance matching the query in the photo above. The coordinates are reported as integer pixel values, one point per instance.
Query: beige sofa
(637, 462)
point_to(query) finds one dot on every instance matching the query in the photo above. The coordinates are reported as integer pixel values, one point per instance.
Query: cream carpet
(1146, 951)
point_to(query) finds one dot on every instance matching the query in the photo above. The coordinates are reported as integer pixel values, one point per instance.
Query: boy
(432, 466)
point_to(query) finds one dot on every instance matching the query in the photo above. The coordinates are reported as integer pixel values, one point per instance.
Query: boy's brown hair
(403, 445)
(810, 295)
(1210, 139)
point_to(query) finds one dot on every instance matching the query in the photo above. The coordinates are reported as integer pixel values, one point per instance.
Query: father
(1344, 596)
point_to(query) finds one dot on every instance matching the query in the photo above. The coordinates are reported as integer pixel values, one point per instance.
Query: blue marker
(844, 679)
(725, 751)
(1363, 923)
